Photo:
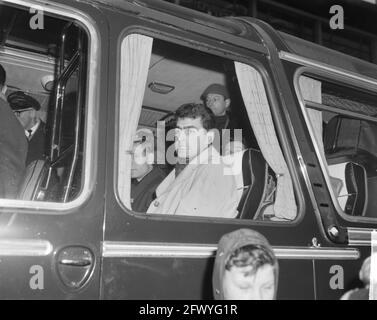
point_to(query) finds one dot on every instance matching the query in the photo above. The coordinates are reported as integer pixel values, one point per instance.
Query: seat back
(255, 174)
(32, 180)
(357, 190)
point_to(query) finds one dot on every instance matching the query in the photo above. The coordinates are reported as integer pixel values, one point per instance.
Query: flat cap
(19, 100)
(216, 88)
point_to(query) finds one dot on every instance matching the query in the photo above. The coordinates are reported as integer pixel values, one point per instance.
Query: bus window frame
(342, 78)
(202, 46)
(91, 110)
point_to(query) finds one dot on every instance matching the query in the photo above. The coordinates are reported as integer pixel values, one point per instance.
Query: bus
(101, 70)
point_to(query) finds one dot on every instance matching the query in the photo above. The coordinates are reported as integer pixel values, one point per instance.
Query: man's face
(238, 284)
(26, 117)
(140, 166)
(217, 103)
(190, 137)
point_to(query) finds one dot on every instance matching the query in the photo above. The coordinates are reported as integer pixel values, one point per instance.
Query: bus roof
(328, 56)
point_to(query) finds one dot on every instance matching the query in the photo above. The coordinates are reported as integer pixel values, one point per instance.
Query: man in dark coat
(145, 176)
(217, 98)
(13, 146)
(26, 109)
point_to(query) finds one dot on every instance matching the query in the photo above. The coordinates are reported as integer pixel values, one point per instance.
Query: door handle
(75, 263)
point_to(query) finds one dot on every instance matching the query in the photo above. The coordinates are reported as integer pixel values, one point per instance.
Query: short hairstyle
(250, 255)
(194, 111)
(3, 76)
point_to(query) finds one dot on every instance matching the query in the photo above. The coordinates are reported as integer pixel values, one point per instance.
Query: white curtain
(136, 54)
(311, 90)
(256, 102)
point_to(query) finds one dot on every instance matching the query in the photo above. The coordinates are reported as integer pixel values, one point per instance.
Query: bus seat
(255, 179)
(356, 184)
(32, 179)
(353, 138)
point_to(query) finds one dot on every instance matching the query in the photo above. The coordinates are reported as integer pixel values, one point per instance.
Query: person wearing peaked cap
(217, 98)
(26, 108)
(246, 267)
(13, 146)
(145, 177)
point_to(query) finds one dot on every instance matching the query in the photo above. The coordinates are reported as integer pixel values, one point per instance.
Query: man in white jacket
(205, 187)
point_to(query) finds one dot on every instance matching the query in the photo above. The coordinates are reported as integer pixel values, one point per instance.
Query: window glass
(43, 100)
(196, 136)
(344, 124)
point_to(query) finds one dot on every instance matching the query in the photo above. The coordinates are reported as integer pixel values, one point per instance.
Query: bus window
(344, 125)
(47, 66)
(196, 136)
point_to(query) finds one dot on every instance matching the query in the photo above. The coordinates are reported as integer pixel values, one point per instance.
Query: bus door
(51, 229)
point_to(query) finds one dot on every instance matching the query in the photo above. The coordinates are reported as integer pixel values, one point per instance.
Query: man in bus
(13, 146)
(216, 97)
(145, 177)
(204, 187)
(26, 108)
(245, 267)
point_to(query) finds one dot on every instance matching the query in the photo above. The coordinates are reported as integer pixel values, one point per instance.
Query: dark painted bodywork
(103, 218)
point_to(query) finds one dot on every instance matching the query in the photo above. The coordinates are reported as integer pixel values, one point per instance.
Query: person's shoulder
(4, 106)
(158, 172)
(42, 126)
(360, 294)
(356, 294)
(155, 176)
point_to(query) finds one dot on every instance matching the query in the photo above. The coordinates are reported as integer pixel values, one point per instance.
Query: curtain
(311, 90)
(256, 102)
(136, 54)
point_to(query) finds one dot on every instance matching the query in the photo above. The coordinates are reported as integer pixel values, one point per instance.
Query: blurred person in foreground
(245, 267)
(364, 276)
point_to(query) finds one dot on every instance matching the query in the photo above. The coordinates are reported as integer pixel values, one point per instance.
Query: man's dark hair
(3, 76)
(250, 255)
(196, 110)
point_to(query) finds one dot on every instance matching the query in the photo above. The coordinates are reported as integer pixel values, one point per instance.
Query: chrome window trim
(359, 236)
(92, 107)
(118, 249)
(343, 75)
(25, 247)
(324, 107)
(333, 74)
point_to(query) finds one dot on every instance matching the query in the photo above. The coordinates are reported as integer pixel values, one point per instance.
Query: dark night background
(308, 20)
